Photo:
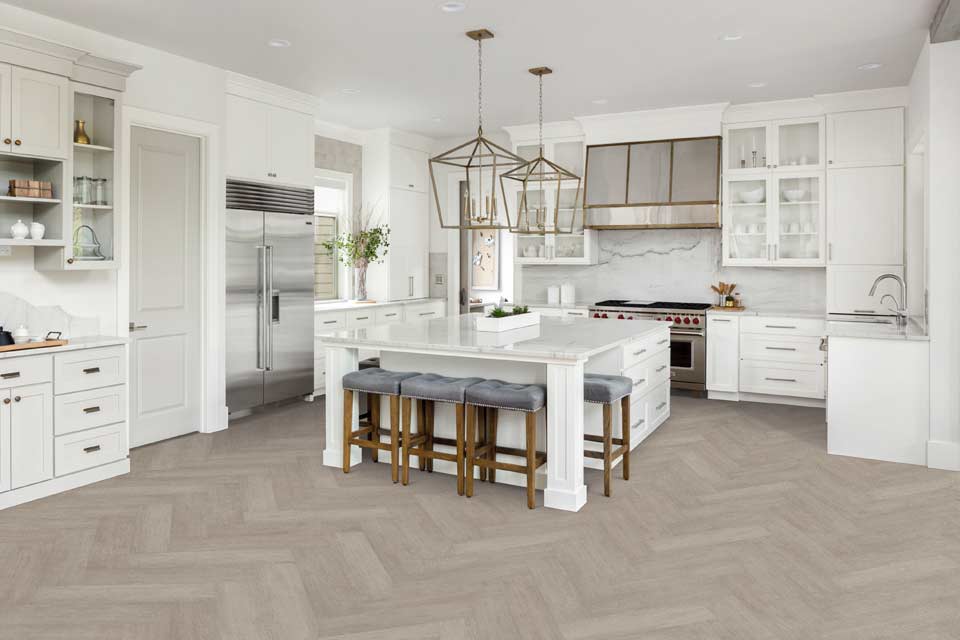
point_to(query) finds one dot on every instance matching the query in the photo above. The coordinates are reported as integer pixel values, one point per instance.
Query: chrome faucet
(901, 307)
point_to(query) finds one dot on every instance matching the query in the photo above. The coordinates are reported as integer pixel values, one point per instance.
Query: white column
(565, 489)
(339, 362)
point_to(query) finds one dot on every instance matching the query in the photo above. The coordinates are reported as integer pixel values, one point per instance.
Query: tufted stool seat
(375, 382)
(493, 396)
(606, 390)
(426, 390)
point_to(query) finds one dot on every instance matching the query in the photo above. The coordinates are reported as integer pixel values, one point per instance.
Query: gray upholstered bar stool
(496, 395)
(606, 390)
(375, 383)
(426, 390)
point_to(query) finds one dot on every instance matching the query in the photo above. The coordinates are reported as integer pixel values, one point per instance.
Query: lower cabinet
(723, 353)
(28, 415)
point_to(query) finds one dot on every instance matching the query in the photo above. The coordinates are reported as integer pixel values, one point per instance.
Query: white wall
(916, 239)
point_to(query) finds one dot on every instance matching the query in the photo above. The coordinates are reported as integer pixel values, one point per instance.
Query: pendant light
(481, 162)
(540, 176)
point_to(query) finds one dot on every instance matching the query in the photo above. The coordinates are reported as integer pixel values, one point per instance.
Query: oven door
(688, 360)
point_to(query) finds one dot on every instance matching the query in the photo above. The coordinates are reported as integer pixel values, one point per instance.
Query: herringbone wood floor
(736, 524)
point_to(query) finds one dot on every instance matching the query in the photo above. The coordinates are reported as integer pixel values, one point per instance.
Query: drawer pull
(781, 348)
(659, 369)
(92, 370)
(92, 410)
(428, 313)
(10, 376)
(661, 405)
(92, 449)
(362, 318)
(637, 353)
(637, 423)
(720, 319)
(664, 341)
(389, 315)
(779, 326)
(781, 379)
(330, 321)
(639, 382)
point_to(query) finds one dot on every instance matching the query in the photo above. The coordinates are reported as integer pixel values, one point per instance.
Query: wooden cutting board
(716, 308)
(33, 345)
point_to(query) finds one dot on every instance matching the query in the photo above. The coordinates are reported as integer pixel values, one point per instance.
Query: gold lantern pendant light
(481, 161)
(540, 176)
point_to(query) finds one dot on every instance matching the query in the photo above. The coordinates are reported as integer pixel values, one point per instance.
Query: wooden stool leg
(607, 446)
(531, 460)
(373, 407)
(405, 403)
(460, 445)
(484, 436)
(492, 415)
(395, 438)
(428, 416)
(347, 427)
(471, 439)
(421, 430)
(625, 435)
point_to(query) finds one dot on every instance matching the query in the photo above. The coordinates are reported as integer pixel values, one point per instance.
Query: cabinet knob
(16, 398)
(69, 260)
(7, 141)
(17, 142)
(6, 401)
(829, 161)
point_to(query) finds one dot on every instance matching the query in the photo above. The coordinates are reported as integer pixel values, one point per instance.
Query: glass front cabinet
(782, 146)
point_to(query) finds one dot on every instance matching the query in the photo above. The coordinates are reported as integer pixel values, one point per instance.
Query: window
(330, 207)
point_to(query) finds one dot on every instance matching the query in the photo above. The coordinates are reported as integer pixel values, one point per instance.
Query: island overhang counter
(557, 353)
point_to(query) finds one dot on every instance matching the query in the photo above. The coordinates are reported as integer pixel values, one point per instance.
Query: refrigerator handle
(261, 303)
(268, 306)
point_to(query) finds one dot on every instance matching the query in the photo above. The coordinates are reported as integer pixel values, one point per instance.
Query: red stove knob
(596, 315)
(696, 321)
(604, 316)
(629, 317)
(620, 317)
(659, 318)
(676, 319)
(686, 321)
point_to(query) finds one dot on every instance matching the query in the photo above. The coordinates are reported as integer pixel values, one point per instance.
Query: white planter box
(507, 323)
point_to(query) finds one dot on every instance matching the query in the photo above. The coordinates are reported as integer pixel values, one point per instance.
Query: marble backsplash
(15, 311)
(676, 265)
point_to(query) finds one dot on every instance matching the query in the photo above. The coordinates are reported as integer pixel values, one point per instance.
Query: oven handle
(686, 333)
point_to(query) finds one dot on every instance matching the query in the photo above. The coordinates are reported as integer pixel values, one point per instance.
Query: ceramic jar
(37, 230)
(19, 230)
(21, 335)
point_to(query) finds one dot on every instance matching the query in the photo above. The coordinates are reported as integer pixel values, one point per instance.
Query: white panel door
(865, 215)
(290, 146)
(848, 289)
(408, 169)
(246, 138)
(6, 137)
(409, 235)
(31, 434)
(865, 138)
(723, 353)
(40, 113)
(165, 285)
(5, 400)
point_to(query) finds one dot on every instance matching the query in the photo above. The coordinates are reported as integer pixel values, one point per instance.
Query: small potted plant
(362, 245)
(502, 319)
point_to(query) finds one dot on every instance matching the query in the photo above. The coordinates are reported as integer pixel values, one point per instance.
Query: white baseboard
(63, 483)
(943, 454)
(790, 400)
(731, 396)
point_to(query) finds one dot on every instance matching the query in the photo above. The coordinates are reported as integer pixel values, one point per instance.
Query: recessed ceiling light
(437, 119)
(453, 7)
(757, 85)
(279, 43)
(731, 37)
(600, 101)
(349, 90)
(869, 66)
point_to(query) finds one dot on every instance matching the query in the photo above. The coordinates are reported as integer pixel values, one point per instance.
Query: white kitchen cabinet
(578, 247)
(848, 289)
(865, 215)
(723, 353)
(39, 114)
(408, 169)
(6, 103)
(778, 146)
(268, 143)
(5, 440)
(868, 138)
(29, 412)
(408, 254)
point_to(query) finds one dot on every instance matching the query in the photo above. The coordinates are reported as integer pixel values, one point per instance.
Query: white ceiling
(415, 69)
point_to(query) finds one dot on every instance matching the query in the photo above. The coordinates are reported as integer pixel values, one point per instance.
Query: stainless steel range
(688, 334)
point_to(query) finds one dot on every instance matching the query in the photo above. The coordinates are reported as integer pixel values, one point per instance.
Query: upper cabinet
(34, 113)
(866, 215)
(781, 145)
(268, 143)
(408, 169)
(870, 138)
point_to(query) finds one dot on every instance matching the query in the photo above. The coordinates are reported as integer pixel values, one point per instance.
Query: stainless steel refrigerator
(270, 284)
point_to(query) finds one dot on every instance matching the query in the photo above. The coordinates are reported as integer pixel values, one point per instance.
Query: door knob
(16, 398)
(17, 142)
(6, 401)
(137, 327)
(7, 141)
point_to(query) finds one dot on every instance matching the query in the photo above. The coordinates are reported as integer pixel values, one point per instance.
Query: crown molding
(262, 91)
(551, 130)
(654, 124)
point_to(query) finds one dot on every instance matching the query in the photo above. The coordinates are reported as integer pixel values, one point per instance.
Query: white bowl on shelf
(754, 196)
(794, 195)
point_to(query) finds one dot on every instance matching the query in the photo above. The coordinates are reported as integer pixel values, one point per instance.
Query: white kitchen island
(556, 352)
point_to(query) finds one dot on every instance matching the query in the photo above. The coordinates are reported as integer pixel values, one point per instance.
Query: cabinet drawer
(425, 310)
(360, 319)
(645, 347)
(659, 403)
(387, 315)
(576, 313)
(783, 326)
(19, 372)
(785, 349)
(641, 376)
(798, 380)
(87, 449)
(330, 321)
(88, 369)
(88, 409)
(639, 420)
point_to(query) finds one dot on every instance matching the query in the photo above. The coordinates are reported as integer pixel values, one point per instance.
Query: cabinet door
(865, 215)
(748, 148)
(848, 289)
(799, 224)
(409, 234)
(31, 435)
(865, 138)
(290, 146)
(40, 113)
(246, 138)
(5, 401)
(6, 136)
(799, 144)
(408, 169)
(723, 353)
(747, 215)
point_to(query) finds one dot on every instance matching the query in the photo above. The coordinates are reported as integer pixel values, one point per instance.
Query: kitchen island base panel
(565, 488)
(340, 362)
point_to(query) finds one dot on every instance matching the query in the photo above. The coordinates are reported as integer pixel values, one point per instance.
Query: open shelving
(46, 211)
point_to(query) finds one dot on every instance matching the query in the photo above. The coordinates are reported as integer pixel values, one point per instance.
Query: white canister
(21, 335)
(37, 230)
(568, 294)
(19, 230)
(553, 295)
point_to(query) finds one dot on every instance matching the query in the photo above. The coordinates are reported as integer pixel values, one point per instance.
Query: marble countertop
(912, 331)
(772, 312)
(82, 342)
(345, 305)
(547, 305)
(565, 338)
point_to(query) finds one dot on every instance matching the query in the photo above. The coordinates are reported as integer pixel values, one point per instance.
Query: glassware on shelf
(82, 190)
(100, 192)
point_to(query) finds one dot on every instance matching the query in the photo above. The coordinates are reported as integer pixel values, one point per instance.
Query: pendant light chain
(480, 87)
(540, 114)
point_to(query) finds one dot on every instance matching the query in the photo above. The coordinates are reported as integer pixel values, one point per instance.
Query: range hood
(653, 184)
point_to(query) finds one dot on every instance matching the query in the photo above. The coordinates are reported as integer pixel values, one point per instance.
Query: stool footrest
(434, 455)
(599, 439)
(598, 455)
